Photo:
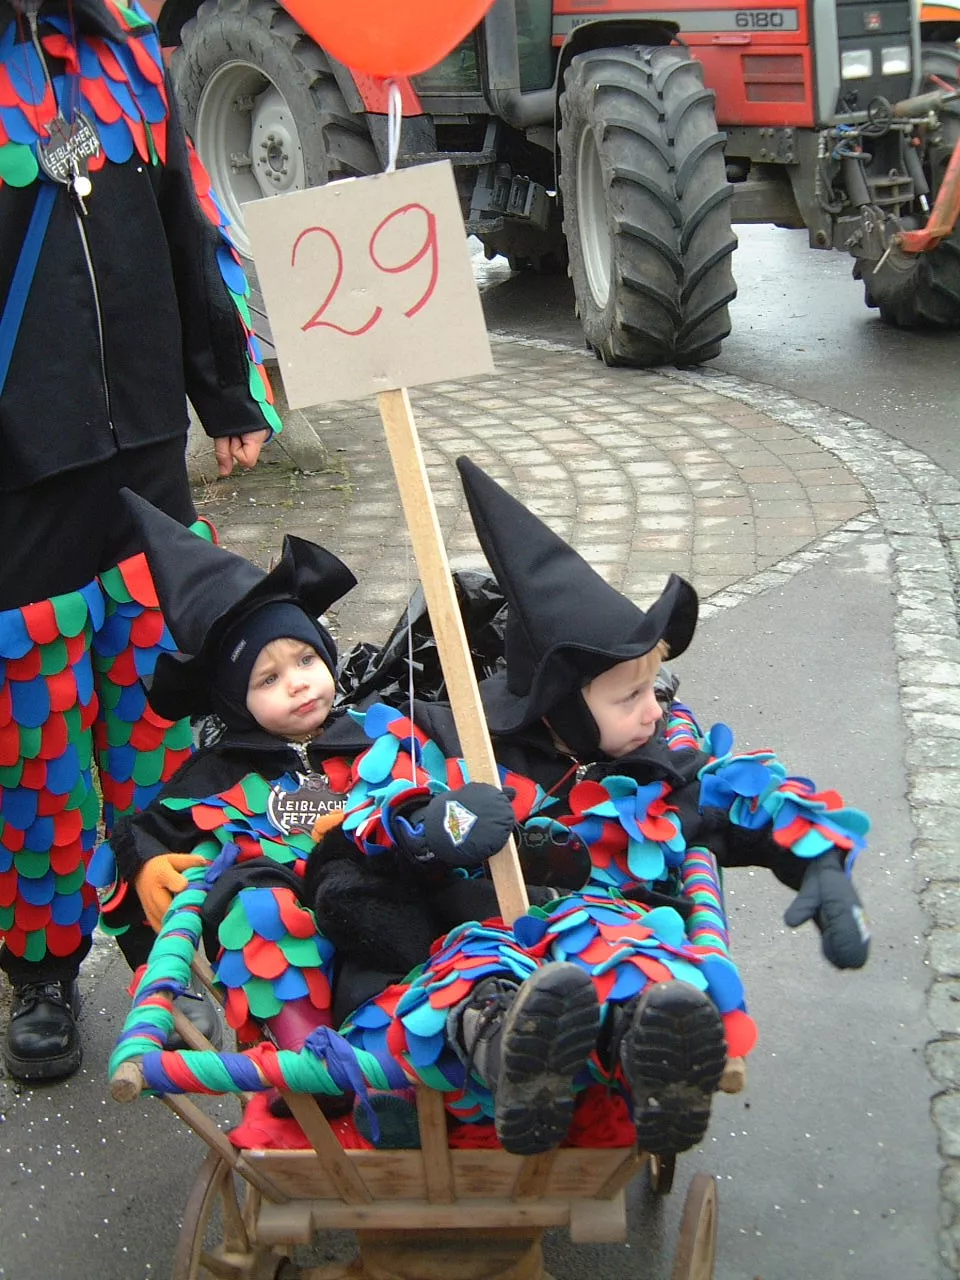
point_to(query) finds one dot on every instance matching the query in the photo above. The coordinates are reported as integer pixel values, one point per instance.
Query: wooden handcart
(432, 1213)
(429, 1214)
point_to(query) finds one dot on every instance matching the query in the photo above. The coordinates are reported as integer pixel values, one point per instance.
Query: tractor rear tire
(922, 291)
(939, 62)
(647, 206)
(263, 107)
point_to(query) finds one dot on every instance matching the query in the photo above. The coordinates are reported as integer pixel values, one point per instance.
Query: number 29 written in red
(426, 248)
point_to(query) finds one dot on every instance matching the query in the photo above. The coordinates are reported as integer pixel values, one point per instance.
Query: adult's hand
(244, 449)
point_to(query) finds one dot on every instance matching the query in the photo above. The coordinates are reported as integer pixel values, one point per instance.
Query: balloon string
(394, 124)
(410, 688)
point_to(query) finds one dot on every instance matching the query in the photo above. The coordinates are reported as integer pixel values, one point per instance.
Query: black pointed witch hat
(565, 624)
(205, 591)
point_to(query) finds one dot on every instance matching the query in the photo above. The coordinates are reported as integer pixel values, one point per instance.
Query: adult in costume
(120, 295)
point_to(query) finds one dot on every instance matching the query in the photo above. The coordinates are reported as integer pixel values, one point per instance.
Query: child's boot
(672, 1050)
(528, 1043)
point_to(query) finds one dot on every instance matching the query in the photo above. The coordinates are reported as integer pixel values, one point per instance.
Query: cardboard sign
(368, 285)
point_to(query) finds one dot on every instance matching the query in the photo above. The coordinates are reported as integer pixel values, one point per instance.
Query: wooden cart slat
(576, 1172)
(276, 1221)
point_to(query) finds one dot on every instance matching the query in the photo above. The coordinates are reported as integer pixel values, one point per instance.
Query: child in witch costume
(251, 805)
(120, 294)
(627, 981)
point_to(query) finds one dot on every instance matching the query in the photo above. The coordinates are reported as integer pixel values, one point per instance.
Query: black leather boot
(198, 1008)
(672, 1049)
(529, 1043)
(42, 1041)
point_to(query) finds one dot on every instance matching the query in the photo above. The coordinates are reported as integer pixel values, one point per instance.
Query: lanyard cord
(558, 784)
(33, 9)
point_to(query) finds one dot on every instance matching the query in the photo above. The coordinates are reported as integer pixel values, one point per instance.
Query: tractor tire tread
(670, 204)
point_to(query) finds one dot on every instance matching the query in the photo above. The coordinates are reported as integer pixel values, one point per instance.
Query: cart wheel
(215, 1212)
(660, 1171)
(697, 1246)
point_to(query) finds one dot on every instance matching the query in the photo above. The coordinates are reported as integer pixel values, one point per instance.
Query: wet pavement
(826, 554)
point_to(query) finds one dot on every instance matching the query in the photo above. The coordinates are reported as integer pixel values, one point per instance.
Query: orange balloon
(388, 37)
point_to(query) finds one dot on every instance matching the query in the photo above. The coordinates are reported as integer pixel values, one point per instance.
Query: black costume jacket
(382, 913)
(128, 312)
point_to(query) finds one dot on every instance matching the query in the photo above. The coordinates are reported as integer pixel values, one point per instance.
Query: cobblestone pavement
(735, 485)
(643, 473)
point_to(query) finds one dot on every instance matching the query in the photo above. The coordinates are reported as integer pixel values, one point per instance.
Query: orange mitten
(160, 880)
(326, 823)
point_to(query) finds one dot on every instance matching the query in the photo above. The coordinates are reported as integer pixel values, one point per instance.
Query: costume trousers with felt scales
(624, 946)
(75, 729)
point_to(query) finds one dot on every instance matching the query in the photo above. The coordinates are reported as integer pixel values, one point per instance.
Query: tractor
(620, 143)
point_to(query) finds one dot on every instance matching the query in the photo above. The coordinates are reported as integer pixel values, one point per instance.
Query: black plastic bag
(385, 671)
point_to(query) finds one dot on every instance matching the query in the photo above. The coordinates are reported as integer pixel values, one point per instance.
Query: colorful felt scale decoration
(403, 763)
(271, 949)
(137, 750)
(272, 953)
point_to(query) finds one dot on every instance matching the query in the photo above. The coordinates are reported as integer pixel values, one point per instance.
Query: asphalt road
(799, 324)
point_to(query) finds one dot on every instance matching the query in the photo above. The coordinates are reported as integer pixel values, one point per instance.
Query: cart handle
(127, 1082)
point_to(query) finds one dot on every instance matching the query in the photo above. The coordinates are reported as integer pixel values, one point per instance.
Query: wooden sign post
(369, 289)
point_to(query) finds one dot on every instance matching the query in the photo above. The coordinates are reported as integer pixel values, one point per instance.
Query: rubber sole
(673, 1057)
(548, 1035)
(31, 1069)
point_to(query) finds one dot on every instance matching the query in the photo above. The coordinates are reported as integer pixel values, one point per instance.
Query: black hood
(204, 591)
(565, 623)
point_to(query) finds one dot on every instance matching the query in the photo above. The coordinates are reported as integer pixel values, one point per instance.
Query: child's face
(291, 689)
(624, 706)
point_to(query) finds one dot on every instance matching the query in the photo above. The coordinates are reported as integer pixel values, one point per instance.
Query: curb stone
(918, 509)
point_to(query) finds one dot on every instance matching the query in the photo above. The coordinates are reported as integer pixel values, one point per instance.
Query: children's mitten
(460, 828)
(828, 897)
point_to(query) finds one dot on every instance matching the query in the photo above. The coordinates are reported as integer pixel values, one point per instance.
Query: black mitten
(828, 897)
(459, 828)
(384, 923)
(458, 900)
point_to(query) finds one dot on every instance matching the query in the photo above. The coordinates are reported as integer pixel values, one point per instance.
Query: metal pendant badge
(297, 812)
(65, 156)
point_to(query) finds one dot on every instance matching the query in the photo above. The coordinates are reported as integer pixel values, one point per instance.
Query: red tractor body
(619, 141)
